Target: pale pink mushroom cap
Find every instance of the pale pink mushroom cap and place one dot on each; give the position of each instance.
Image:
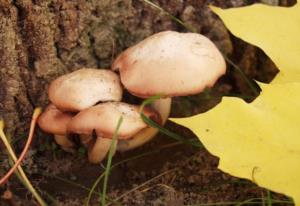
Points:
(170, 64)
(84, 88)
(54, 121)
(103, 119)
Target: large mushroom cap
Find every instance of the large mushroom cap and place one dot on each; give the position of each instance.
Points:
(84, 88)
(103, 119)
(170, 64)
(54, 121)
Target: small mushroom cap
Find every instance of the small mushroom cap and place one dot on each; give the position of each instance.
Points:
(54, 121)
(170, 64)
(84, 88)
(103, 119)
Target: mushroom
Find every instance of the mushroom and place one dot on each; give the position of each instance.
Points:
(168, 64)
(102, 119)
(55, 122)
(84, 88)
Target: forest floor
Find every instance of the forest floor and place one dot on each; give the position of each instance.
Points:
(164, 172)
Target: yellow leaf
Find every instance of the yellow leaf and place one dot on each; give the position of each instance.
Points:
(276, 30)
(258, 141)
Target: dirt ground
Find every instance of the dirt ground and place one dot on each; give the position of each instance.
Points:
(163, 172)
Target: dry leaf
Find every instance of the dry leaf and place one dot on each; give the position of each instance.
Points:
(276, 30)
(260, 141)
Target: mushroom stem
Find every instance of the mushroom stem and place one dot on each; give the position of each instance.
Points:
(64, 142)
(100, 149)
(86, 139)
(163, 107)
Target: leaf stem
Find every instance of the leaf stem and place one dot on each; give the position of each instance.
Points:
(17, 162)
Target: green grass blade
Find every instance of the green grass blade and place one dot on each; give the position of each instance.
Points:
(193, 142)
(108, 165)
(243, 75)
(253, 201)
(95, 184)
(269, 198)
(97, 181)
(190, 28)
(148, 101)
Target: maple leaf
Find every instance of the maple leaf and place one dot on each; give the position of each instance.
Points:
(260, 141)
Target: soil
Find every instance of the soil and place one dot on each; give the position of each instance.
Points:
(41, 40)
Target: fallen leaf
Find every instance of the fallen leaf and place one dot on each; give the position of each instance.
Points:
(276, 30)
(260, 141)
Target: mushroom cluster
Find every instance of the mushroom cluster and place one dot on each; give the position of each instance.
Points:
(87, 102)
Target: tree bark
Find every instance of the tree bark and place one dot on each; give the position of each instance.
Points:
(40, 40)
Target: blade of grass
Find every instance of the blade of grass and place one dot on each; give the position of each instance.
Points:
(243, 75)
(12, 163)
(68, 181)
(28, 143)
(92, 190)
(193, 142)
(269, 198)
(145, 183)
(190, 28)
(253, 201)
(50, 197)
(149, 101)
(95, 184)
(108, 165)
(154, 178)
(71, 183)
(17, 162)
